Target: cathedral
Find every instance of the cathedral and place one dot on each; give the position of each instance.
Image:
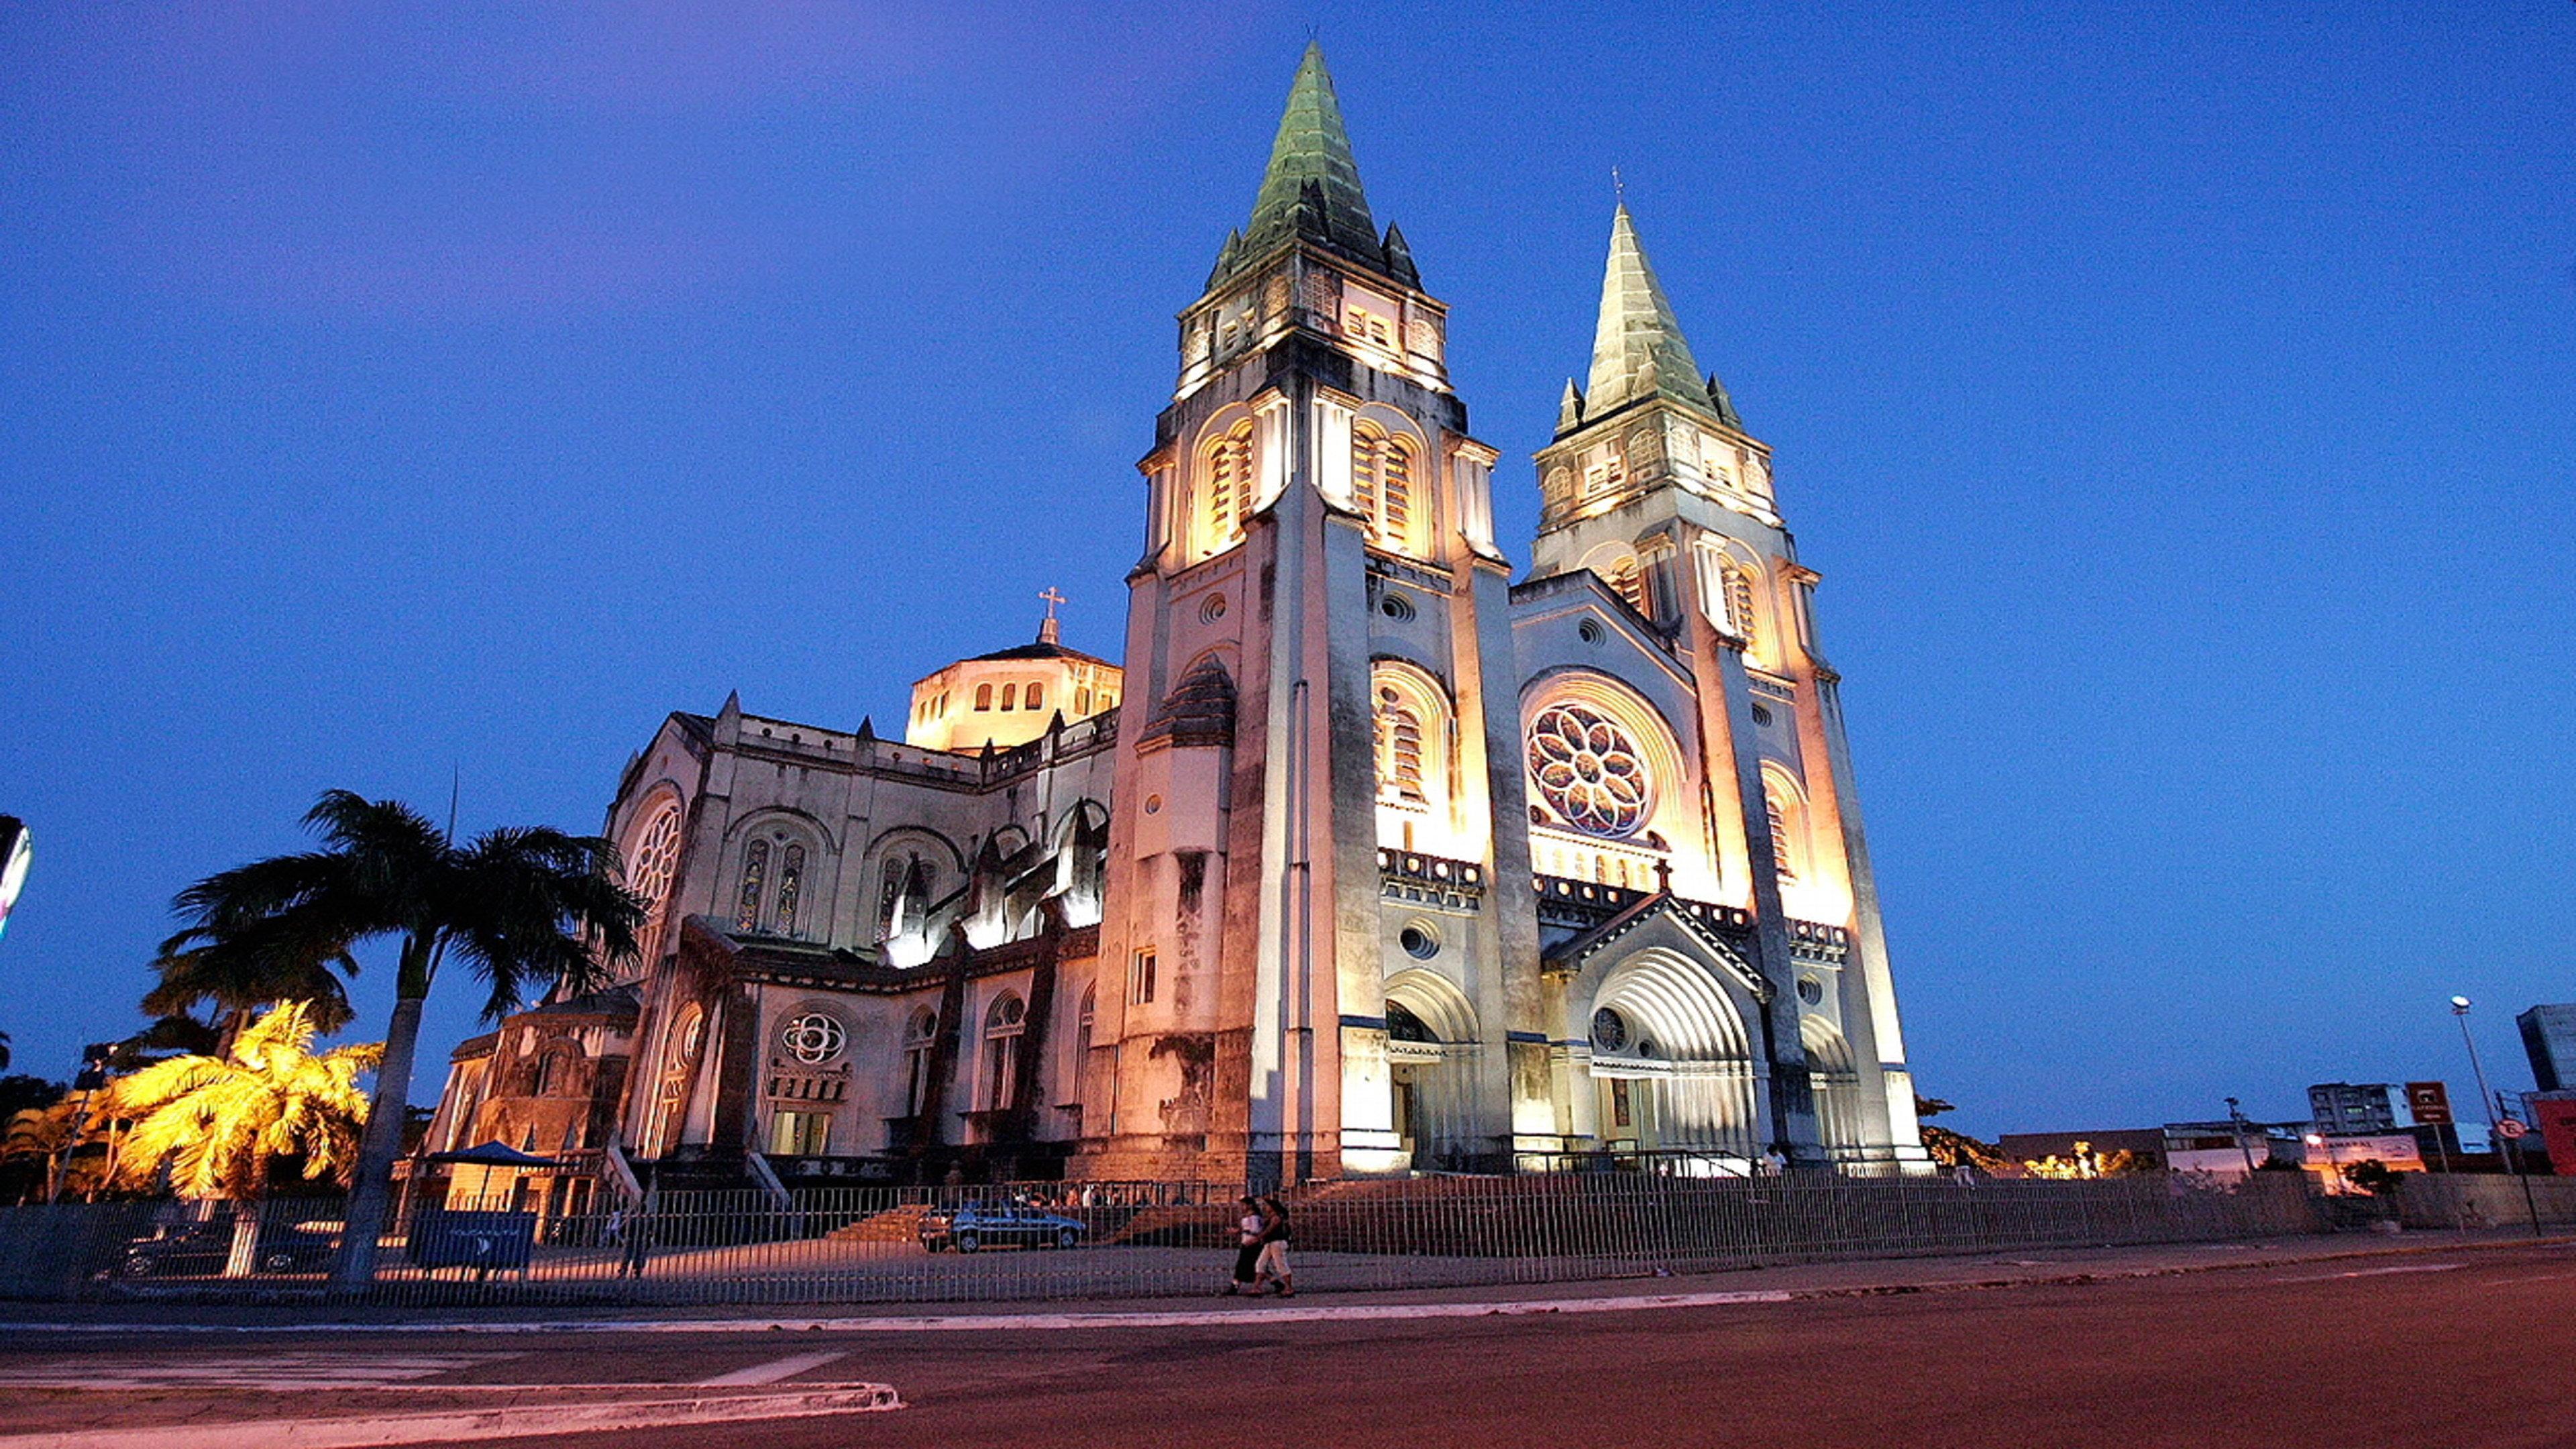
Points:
(1390, 863)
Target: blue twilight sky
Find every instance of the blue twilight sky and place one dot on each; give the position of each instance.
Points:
(2180, 409)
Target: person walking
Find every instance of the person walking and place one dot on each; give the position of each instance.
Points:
(1271, 1265)
(1248, 1228)
(637, 1244)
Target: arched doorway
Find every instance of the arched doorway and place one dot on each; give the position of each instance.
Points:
(1671, 1063)
(1835, 1079)
(1430, 1051)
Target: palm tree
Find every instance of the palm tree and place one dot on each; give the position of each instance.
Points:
(524, 907)
(249, 966)
(217, 1122)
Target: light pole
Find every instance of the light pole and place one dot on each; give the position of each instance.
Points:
(2495, 1136)
(2236, 1118)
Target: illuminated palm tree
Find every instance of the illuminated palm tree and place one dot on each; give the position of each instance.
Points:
(216, 1123)
(523, 907)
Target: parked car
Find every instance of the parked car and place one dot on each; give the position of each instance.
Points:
(978, 1225)
(200, 1250)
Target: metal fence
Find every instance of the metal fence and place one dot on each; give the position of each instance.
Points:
(1116, 1240)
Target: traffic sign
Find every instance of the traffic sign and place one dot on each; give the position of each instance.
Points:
(2511, 1130)
(2430, 1102)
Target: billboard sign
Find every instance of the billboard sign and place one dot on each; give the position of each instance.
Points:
(16, 853)
(2430, 1102)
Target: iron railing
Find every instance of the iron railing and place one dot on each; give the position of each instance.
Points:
(1106, 1240)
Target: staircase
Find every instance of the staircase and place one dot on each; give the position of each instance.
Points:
(894, 1225)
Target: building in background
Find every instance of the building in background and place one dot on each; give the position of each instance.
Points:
(1390, 864)
(2421, 1110)
(2549, 1038)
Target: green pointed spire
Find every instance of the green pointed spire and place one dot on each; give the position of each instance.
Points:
(1638, 350)
(1313, 185)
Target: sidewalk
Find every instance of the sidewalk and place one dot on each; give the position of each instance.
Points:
(1319, 1302)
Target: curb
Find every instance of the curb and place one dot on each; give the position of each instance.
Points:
(453, 1425)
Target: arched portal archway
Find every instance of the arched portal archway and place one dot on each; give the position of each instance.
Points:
(1431, 1049)
(1672, 1063)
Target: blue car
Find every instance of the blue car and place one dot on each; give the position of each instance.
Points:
(979, 1225)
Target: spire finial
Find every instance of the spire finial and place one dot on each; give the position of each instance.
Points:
(1048, 627)
(1618, 188)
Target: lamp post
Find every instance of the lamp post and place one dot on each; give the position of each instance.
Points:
(2236, 1118)
(2495, 1136)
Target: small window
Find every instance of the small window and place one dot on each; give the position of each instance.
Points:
(1010, 694)
(800, 1134)
(983, 697)
(1418, 942)
(1140, 978)
(1082, 701)
(1037, 696)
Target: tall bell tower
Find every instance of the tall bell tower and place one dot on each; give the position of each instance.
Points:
(1654, 483)
(1311, 632)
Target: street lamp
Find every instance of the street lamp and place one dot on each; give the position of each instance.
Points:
(2236, 1120)
(2495, 1132)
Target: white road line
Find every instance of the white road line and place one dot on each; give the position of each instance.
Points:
(2373, 1272)
(774, 1370)
(267, 1371)
(472, 1424)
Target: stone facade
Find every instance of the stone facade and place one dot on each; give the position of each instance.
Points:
(1392, 864)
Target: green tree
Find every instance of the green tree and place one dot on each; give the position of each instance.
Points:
(217, 1123)
(523, 907)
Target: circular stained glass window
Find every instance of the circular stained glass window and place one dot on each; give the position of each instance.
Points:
(1609, 1030)
(1588, 771)
(813, 1038)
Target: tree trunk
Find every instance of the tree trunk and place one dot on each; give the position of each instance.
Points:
(245, 1250)
(378, 1149)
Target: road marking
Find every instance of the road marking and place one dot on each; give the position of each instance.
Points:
(774, 1370)
(473, 1424)
(2374, 1272)
(265, 1371)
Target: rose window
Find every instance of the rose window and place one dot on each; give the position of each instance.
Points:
(813, 1038)
(1588, 771)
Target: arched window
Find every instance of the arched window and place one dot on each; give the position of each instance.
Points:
(557, 1072)
(903, 892)
(791, 880)
(1382, 484)
(1629, 581)
(1788, 819)
(918, 1035)
(652, 863)
(1083, 1023)
(1225, 497)
(1037, 696)
(1010, 695)
(983, 696)
(1399, 749)
(1003, 1026)
(1740, 617)
(755, 872)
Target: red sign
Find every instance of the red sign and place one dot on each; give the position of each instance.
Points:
(2558, 1131)
(2430, 1102)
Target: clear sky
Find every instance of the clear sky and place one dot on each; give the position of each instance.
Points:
(2181, 411)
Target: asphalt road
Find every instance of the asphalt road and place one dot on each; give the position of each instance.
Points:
(2457, 1349)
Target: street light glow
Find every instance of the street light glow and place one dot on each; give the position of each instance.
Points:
(2459, 1003)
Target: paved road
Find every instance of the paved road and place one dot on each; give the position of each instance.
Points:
(2447, 1348)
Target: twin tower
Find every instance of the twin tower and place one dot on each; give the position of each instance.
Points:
(1415, 867)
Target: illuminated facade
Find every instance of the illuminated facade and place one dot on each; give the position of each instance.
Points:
(1392, 864)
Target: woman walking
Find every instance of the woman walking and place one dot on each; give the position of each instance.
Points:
(1271, 1265)
(1248, 1228)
